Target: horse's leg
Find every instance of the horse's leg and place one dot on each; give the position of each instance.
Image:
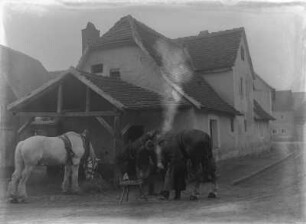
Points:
(12, 186)
(195, 173)
(214, 185)
(22, 192)
(74, 179)
(67, 174)
(214, 189)
(19, 165)
(196, 191)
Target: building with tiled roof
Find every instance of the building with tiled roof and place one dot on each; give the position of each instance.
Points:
(216, 68)
(135, 78)
(19, 75)
(289, 111)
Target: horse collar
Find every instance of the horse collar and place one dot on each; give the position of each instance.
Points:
(68, 147)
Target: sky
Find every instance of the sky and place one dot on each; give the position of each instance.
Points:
(51, 31)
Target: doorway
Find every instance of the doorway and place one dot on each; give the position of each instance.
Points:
(213, 128)
(133, 133)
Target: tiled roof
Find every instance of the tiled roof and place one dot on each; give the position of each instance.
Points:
(213, 51)
(131, 96)
(201, 91)
(120, 32)
(260, 113)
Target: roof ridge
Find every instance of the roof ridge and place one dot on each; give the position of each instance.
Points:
(209, 35)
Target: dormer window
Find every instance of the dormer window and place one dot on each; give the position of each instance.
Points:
(114, 73)
(97, 68)
(242, 53)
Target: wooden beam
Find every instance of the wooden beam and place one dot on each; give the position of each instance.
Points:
(60, 98)
(117, 136)
(68, 114)
(25, 125)
(106, 125)
(37, 92)
(125, 129)
(87, 100)
(99, 91)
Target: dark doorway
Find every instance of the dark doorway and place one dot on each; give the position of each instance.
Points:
(134, 132)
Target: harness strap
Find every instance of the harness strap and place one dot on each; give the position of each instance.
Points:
(68, 147)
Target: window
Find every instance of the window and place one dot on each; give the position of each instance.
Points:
(97, 68)
(274, 131)
(242, 53)
(114, 73)
(241, 87)
(245, 126)
(232, 125)
(283, 131)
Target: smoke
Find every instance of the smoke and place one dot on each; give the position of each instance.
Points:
(176, 72)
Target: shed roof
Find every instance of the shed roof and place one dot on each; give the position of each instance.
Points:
(260, 113)
(121, 94)
(131, 96)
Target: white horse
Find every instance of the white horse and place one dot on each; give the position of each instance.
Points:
(52, 151)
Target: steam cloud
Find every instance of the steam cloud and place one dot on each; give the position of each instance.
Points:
(175, 70)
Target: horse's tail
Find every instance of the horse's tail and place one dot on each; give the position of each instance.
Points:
(19, 163)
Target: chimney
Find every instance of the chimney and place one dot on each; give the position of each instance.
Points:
(203, 33)
(89, 35)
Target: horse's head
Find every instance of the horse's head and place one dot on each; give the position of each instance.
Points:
(158, 145)
(139, 157)
(91, 162)
(90, 166)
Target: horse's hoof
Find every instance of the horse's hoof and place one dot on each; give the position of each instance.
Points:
(143, 198)
(23, 200)
(212, 195)
(13, 200)
(163, 198)
(193, 198)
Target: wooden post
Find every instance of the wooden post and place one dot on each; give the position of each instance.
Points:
(60, 98)
(24, 126)
(87, 100)
(106, 125)
(117, 134)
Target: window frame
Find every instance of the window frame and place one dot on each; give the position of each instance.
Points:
(97, 68)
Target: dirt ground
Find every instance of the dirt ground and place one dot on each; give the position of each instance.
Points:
(275, 195)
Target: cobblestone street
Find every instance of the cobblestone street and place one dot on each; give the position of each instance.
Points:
(274, 195)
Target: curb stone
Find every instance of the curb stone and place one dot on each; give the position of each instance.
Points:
(255, 173)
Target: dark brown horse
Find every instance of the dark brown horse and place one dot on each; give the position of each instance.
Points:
(138, 159)
(186, 154)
